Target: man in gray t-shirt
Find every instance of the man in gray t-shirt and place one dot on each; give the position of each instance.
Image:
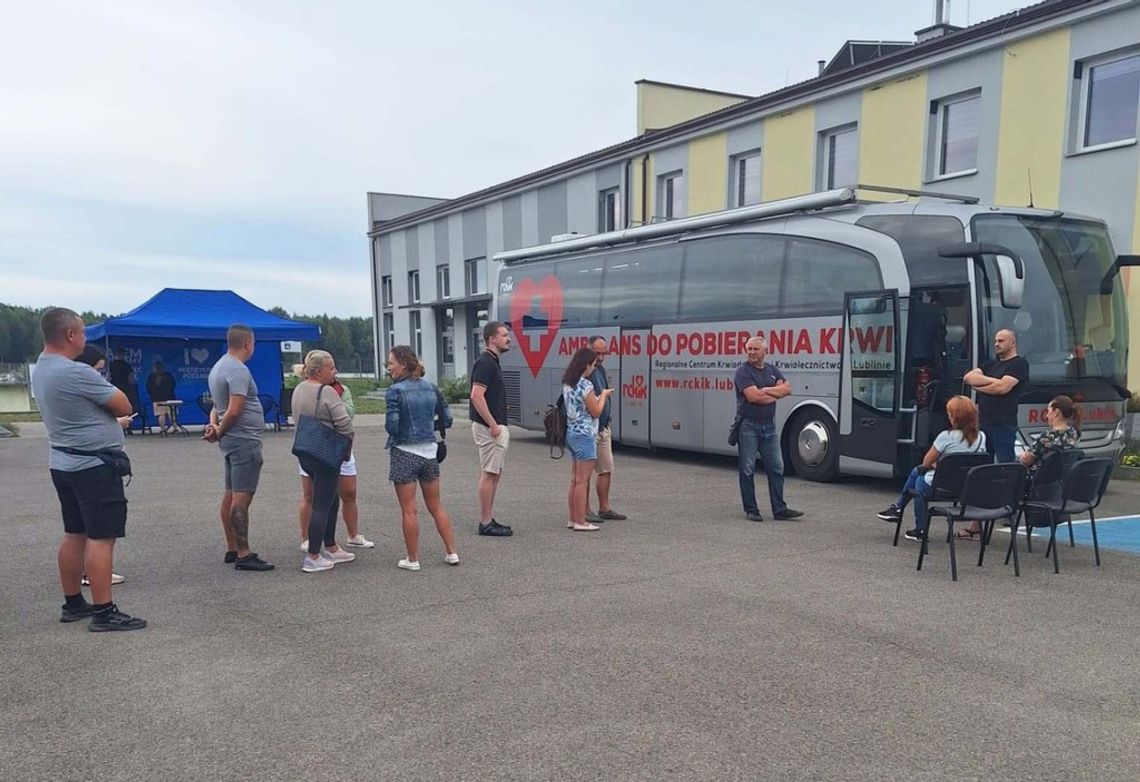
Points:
(236, 423)
(79, 409)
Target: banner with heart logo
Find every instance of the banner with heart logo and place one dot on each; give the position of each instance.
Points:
(536, 317)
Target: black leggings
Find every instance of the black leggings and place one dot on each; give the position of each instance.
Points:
(326, 504)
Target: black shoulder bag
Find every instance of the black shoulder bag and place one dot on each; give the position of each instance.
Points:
(441, 445)
(117, 460)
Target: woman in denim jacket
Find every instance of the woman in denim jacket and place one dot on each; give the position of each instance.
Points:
(413, 404)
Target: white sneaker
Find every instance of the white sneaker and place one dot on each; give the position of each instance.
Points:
(451, 559)
(316, 565)
(338, 556)
(408, 565)
(360, 542)
(115, 579)
(305, 545)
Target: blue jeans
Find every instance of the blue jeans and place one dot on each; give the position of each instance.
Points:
(999, 441)
(760, 438)
(915, 482)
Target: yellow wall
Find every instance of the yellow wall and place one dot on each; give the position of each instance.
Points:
(663, 105)
(1035, 81)
(892, 128)
(789, 152)
(707, 174)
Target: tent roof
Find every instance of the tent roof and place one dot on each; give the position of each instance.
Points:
(177, 313)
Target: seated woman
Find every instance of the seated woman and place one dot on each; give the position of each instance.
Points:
(963, 436)
(1064, 419)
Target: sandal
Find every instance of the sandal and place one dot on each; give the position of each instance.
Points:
(584, 527)
(966, 534)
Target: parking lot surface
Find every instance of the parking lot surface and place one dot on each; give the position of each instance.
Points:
(683, 643)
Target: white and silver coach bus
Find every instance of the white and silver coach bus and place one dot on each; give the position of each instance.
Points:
(873, 310)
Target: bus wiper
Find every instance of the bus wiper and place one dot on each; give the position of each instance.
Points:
(1110, 275)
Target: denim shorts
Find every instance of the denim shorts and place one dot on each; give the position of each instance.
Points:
(582, 447)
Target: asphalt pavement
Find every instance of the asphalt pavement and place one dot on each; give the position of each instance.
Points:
(684, 643)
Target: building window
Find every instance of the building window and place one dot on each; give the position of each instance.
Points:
(415, 322)
(413, 286)
(957, 134)
(389, 333)
(1110, 96)
(746, 179)
(609, 210)
(475, 276)
(671, 195)
(840, 157)
(443, 281)
(386, 290)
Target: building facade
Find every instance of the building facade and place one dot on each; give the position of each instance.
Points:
(1040, 106)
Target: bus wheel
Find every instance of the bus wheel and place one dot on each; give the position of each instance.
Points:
(813, 446)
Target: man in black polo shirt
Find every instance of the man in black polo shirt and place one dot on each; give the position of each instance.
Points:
(758, 386)
(1000, 384)
(488, 410)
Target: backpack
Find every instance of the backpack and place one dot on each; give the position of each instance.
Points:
(554, 423)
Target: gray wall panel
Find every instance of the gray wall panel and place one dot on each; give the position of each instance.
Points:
(829, 114)
(1091, 184)
(530, 219)
(475, 233)
(412, 243)
(745, 138)
(442, 241)
(551, 211)
(582, 203)
(610, 176)
(671, 159)
(984, 72)
(512, 223)
(384, 254)
(428, 288)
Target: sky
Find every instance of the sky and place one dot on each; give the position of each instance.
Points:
(210, 144)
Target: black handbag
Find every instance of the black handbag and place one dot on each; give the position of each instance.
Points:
(318, 442)
(441, 445)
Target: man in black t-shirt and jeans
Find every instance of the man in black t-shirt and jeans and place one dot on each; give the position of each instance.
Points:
(758, 386)
(488, 411)
(1000, 384)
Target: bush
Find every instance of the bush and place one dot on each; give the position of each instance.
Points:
(456, 390)
(1133, 404)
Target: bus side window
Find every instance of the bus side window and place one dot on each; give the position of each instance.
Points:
(732, 277)
(818, 274)
(581, 281)
(642, 286)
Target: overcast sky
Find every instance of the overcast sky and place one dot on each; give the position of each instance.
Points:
(230, 144)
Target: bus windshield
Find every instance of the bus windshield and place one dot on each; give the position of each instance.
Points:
(1065, 328)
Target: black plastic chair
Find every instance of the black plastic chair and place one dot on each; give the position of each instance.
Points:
(285, 408)
(949, 478)
(1082, 490)
(991, 492)
(1046, 484)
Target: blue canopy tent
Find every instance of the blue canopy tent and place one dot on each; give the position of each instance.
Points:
(186, 331)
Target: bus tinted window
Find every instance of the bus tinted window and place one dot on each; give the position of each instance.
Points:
(732, 276)
(819, 273)
(581, 281)
(919, 237)
(642, 286)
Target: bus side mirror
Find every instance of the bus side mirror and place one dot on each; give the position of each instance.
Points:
(1011, 269)
(1110, 275)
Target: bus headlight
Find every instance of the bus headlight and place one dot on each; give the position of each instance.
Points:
(1119, 433)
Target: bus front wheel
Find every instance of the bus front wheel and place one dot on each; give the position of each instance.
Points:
(814, 446)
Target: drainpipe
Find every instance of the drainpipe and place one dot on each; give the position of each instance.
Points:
(628, 196)
(645, 189)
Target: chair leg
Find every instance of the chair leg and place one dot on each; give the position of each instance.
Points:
(987, 530)
(1013, 546)
(1029, 536)
(1072, 540)
(1053, 543)
(898, 529)
(953, 554)
(922, 544)
(1092, 526)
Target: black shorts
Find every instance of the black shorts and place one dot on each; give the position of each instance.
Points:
(407, 467)
(92, 502)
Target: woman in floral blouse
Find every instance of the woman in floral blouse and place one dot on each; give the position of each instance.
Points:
(1064, 418)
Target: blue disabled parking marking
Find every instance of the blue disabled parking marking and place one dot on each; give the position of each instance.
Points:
(1115, 532)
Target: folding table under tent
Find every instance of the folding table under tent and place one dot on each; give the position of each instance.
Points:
(186, 331)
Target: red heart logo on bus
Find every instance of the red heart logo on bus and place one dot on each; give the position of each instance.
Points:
(536, 302)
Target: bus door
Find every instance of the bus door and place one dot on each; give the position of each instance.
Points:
(869, 384)
(631, 394)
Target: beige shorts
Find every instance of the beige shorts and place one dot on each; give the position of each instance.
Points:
(605, 461)
(492, 452)
(161, 410)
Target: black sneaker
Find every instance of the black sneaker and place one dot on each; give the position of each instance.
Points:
(787, 514)
(497, 524)
(252, 562)
(114, 619)
(893, 513)
(753, 517)
(913, 534)
(495, 529)
(231, 557)
(75, 613)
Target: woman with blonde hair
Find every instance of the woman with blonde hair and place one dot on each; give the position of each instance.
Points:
(413, 409)
(313, 396)
(963, 436)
